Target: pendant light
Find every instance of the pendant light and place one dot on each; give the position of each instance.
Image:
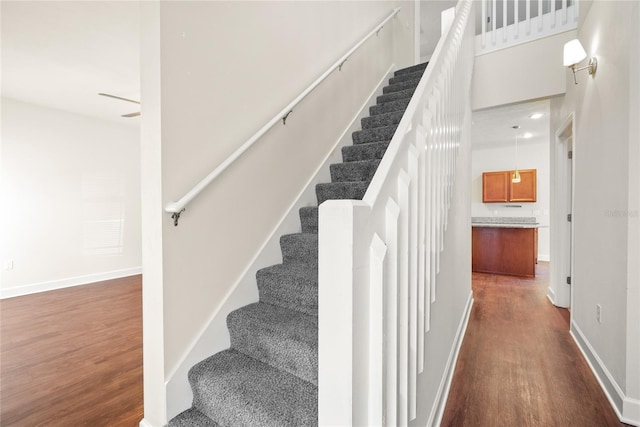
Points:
(515, 176)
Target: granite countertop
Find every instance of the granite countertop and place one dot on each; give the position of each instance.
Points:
(504, 222)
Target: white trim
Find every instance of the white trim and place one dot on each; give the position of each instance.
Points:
(214, 336)
(551, 295)
(68, 282)
(437, 411)
(145, 423)
(544, 257)
(608, 384)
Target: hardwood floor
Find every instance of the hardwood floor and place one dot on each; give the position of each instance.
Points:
(518, 365)
(73, 357)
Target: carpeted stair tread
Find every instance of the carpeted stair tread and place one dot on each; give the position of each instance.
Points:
(309, 219)
(380, 120)
(409, 84)
(389, 107)
(293, 286)
(341, 190)
(372, 150)
(300, 248)
(362, 170)
(192, 418)
(282, 338)
(395, 96)
(406, 76)
(384, 133)
(234, 389)
(412, 69)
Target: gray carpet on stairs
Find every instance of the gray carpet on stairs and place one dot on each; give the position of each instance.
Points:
(269, 376)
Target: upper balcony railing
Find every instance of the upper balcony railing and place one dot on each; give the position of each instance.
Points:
(505, 23)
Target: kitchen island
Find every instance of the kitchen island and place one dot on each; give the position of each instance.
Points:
(504, 245)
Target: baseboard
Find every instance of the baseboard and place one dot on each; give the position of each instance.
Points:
(551, 295)
(214, 336)
(437, 411)
(627, 409)
(68, 282)
(544, 257)
(145, 423)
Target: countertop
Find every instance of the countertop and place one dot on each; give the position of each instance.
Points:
(505, 222)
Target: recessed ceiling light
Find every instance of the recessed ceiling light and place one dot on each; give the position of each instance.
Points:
(527, 135)
(535, 115)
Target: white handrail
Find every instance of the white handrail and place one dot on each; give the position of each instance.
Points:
(176, 208)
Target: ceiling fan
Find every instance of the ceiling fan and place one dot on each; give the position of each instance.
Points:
(123, 99)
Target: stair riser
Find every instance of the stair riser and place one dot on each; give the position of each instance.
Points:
(394, 96)
(381, 120)
(260, 397)
(298, 248)
(366, 136)
(389, 107)
(354, 153)
(289, 291)
(309, 219)
(406, 77)
(410, 70)
(340, 190)
(398, 87)
(299, 358)
(353, 172)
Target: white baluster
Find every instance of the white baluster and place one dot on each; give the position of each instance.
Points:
(377, 254)
(392, 216)
(528, 3)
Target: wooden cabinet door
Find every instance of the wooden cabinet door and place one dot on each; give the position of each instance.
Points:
(495, 187)
(525, 190)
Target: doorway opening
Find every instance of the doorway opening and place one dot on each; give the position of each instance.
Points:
(562, 267)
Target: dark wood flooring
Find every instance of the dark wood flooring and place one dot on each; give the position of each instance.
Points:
(73, 357)
(518, 365)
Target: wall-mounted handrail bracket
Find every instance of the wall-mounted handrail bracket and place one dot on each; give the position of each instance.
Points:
(380, 29)
(341, 64)
(175, 217)
(284, 119)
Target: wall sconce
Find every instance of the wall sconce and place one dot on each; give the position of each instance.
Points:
(573, 54)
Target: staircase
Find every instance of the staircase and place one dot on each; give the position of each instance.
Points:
(269, 376)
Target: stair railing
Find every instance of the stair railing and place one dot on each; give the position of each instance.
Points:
(379, 257)
(505, 23)
(176, 208)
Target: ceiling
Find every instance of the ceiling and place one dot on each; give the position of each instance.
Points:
(61, 54)
(493, 127)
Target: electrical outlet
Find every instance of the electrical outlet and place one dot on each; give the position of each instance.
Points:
(8, 265)
(599, 313)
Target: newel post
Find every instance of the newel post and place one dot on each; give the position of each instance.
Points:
(342, 342)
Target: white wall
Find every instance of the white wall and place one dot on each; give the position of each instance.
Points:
(70, 197)
(606, 200)
(528, 71)
(532, 154)
(226, 68)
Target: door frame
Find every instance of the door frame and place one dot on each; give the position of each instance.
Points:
(562, 265)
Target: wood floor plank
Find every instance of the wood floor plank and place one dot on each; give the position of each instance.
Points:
(73, 357)
(518, 365)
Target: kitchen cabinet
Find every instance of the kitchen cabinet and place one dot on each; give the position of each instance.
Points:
(497, 187)
(504, 250)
